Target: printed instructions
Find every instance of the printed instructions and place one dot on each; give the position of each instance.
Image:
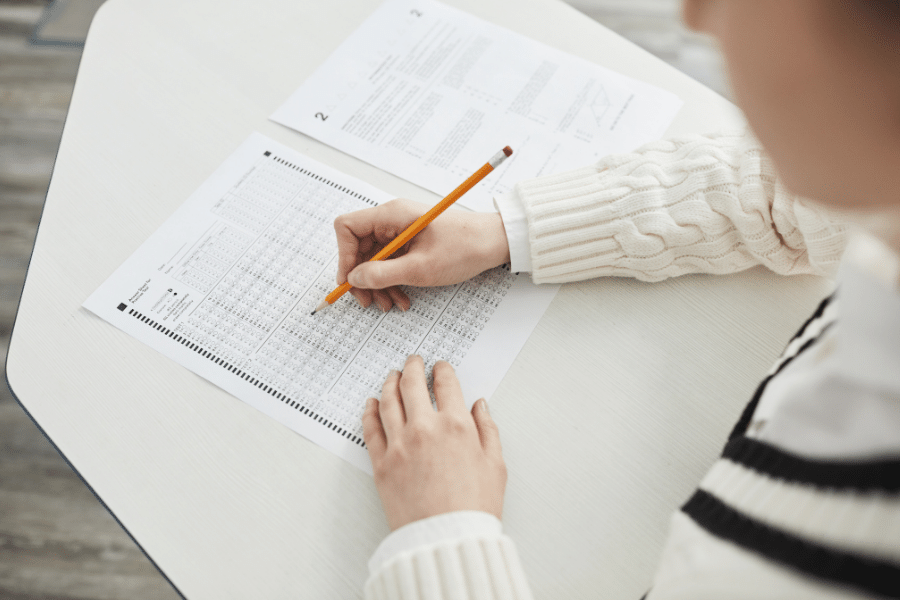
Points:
(429, 93)
(226, 286)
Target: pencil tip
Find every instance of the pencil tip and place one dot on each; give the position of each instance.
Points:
(507, 150)
(321, 305)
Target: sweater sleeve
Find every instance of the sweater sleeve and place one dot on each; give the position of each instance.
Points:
(466, 568)
(695, 204)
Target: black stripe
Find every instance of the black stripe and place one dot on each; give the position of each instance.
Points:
(819, 312)
(859, 475)
(741, 427)
(828, 563)
(743, 423)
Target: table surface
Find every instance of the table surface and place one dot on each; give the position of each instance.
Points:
(610, 415)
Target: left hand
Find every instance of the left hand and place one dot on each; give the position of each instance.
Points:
(429, 462)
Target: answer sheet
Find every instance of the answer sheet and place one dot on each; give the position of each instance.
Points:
(429, 93)
(226, 285)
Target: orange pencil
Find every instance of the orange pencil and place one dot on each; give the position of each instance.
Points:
(420, 223)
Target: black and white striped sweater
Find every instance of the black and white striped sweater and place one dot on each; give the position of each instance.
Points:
(807, 490)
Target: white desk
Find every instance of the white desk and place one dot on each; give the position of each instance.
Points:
(610, 415)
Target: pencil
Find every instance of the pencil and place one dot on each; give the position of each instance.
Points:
(420, 223)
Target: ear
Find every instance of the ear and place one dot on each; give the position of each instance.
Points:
(695, 13)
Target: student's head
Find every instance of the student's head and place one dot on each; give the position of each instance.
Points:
(819, 81)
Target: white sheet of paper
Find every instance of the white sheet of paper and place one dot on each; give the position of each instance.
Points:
(226, 285)
(429, 93)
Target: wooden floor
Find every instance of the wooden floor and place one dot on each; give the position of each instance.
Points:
(57, 542)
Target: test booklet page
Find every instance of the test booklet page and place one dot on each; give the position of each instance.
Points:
(421, 90)
(226, 285)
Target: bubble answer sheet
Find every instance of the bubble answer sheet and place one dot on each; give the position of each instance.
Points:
(421, 88)
(226, 285)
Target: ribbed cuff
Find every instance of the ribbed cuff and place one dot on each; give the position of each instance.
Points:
(434, 530)
(572, 222)
(467, 568)
(516, 225)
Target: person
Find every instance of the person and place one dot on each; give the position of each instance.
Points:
(805, 500)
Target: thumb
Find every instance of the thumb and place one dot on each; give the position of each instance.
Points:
(381, 274)
(487, 430)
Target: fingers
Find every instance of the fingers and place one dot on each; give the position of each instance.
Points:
(363, 296)
(399, 298)
(487, 430)
(373, 431)
(391, 408)
(447, 392)
(382, 300)
(358, 231)
(414, 389)
(356, 234)
(380, 274)
(348, 229)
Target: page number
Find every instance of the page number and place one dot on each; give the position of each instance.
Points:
(321, 116)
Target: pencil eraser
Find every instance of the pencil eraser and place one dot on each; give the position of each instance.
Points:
(507, 151)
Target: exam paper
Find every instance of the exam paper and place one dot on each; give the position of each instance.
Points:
(226, 285)
(421, 90)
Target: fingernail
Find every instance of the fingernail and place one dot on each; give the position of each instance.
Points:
(369, 403)
(394, 372)
(353, 279)
(484, 406)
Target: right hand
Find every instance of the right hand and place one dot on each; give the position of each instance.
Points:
(454, 247)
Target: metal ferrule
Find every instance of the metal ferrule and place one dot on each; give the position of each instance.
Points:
(497, 159)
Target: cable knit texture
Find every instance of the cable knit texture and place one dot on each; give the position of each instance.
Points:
(695, 204)
(462, 569)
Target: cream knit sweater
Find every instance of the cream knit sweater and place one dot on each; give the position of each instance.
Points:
(709, 204)
(695, 204)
